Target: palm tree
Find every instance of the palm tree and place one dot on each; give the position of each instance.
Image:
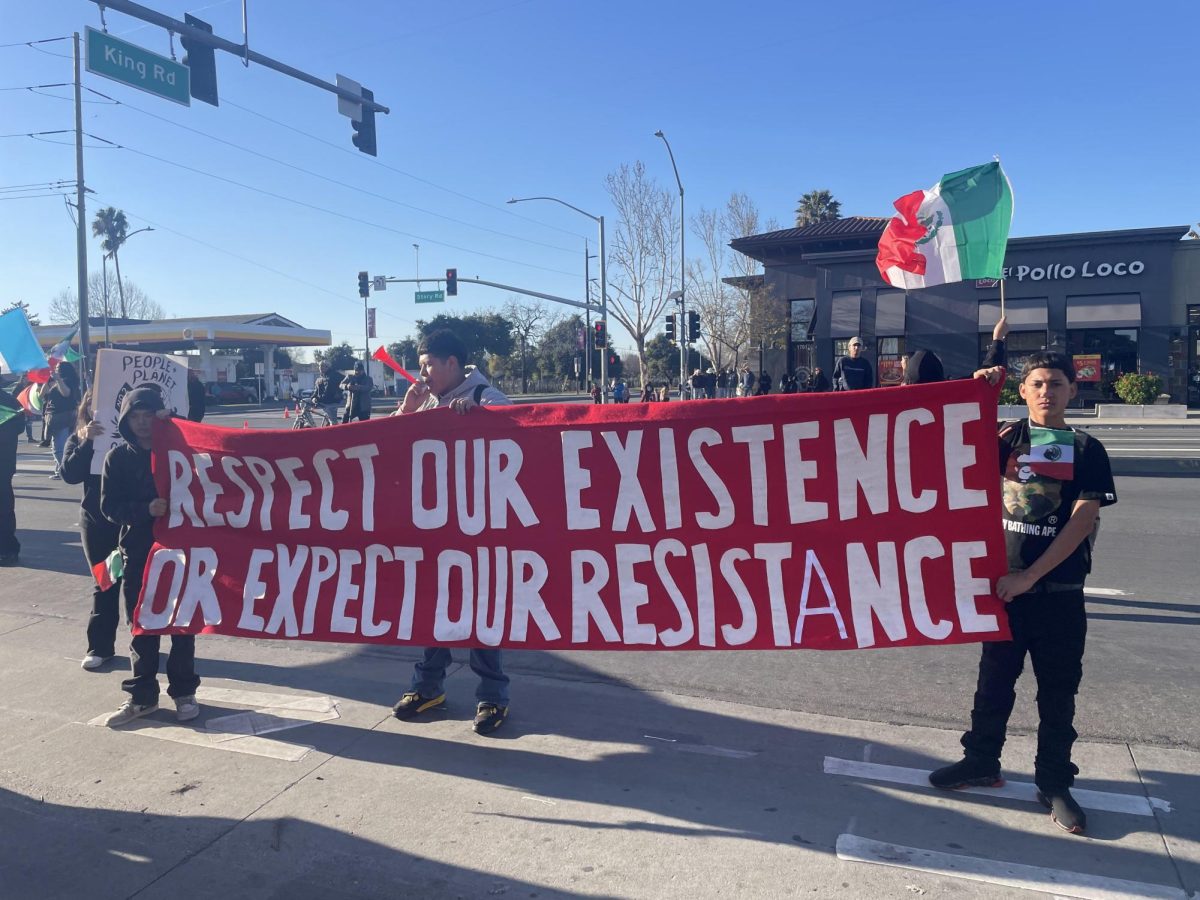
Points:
(817, 206)
(111, 225)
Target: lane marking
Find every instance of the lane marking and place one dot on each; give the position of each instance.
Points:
(1026, 791)
(1105, 592)
(241, 732)
(1017, 875)
(703, 749)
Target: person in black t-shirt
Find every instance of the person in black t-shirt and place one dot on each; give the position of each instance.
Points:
(1055, 480)
(852, 372)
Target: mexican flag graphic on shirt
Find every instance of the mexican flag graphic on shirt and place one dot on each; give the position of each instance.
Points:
(1052, 452)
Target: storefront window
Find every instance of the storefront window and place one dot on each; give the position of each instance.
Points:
(1116, 350)
(888, 362)
(1020, 345)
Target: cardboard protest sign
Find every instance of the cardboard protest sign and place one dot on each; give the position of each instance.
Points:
(120, 371)
(828, 521)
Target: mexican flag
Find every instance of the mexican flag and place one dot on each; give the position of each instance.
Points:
(1052, 452)
(955, 231)
(109, 571)
(60, 352)
(31, 399)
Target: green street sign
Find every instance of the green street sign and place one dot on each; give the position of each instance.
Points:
(430, 296)
(137, 67)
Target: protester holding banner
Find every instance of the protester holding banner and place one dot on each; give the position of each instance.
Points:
(12, 423)
(61, 404)
(99, 537)
(447, 382)
(129, 498)
(357, 386)
(1055, 480)
(852, 372)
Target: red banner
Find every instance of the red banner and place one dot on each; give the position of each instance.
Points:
(824, 521)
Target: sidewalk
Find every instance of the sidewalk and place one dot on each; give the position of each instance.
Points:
(296, 782)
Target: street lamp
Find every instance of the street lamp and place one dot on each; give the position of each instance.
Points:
(599, 220)
(104, 269)
(682, 270)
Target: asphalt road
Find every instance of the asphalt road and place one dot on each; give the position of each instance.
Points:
(1140, 672)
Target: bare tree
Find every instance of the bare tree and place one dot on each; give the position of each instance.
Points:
(64, 309)
(732, 317)
(529, 319)
(643, 259)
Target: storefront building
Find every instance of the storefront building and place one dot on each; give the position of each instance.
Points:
(1116, 301)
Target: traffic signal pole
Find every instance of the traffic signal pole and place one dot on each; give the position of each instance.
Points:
(242, 51)
(81, 272)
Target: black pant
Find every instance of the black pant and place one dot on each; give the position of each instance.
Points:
(9, 545)
(1051, 628)
(100, 540)
(182, 680)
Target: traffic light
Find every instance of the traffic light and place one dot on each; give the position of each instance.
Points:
(452, 282)
(599, 335)
(364, 285)
(693, 326)
(201, 60)
(364, 126)
(671, 328)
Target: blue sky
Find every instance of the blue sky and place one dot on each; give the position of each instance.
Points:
(1091, 108)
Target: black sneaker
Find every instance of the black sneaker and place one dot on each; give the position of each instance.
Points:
(967, 772)
(1064, 811)
(413, 704)
(489, 717)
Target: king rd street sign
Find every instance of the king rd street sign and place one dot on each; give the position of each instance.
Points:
(137, 67)
(430, 296)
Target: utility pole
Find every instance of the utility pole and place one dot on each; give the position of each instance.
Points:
(587, 323)
(81, 272)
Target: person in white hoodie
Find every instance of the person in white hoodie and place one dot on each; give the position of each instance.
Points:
(446, 381)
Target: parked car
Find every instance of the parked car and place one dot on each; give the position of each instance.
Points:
(227, 392)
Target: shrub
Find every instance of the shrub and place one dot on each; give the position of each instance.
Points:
(1008, 394)
(1138, 389)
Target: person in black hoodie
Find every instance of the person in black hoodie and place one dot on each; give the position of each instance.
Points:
(99, 535)
(12, 423)
(129, 498)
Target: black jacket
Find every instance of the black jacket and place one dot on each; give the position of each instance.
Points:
(15, 424)
(77, 469)
(127, 485)
(197, 402)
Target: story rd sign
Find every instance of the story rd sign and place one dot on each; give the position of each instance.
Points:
(137, 67)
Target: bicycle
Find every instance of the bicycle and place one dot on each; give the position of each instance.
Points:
(305, 416)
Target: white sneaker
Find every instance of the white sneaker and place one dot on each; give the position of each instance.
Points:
(128, 712)
(186, 708)
(92, 661)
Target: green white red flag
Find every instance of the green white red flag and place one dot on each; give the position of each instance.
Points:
(955, 231)
(1052, 452)
(108, 571)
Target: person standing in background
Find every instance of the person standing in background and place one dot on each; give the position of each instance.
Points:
(853, 372)
(59, 407)
(99, 534)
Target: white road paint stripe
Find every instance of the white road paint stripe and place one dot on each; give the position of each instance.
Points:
(703, 749)
(1104, 592)
(1100, 801)
(1016, 875)
(240, 732)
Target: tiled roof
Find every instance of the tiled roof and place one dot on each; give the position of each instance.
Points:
(851, 226)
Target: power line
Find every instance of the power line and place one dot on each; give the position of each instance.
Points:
(322, 209)
(65, 37)
(425, 181)
(246, 259)
(335, 181)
